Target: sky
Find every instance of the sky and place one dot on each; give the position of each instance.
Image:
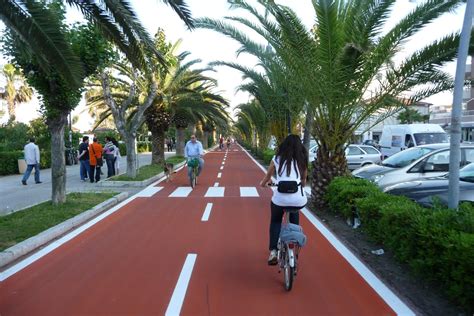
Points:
(211, 46)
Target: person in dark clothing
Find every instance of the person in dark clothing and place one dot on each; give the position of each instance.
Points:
(109, 155)
(84, 158)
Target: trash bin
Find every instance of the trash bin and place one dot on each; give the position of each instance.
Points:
(22, 165)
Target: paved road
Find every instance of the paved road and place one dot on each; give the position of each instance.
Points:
(171, 250)
(16, 196)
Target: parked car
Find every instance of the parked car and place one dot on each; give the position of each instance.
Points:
(427, 191)
(396, 138)
(414, 164)
(371, 142)
(356, 155)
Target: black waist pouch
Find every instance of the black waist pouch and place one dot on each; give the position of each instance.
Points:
(288, 186)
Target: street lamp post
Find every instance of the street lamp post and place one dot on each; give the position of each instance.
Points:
(455, 146)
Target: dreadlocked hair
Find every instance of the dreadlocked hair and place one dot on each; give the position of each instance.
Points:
(292, 152)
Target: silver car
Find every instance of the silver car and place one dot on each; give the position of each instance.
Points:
(414, 164)
(357, 155)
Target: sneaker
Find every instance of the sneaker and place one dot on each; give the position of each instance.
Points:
(272, 259)
(39, 182)
(24, 182)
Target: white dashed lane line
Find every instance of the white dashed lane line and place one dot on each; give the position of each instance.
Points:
(207, 212)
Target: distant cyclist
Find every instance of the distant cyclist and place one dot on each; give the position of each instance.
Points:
(290, 164)
(194, 149)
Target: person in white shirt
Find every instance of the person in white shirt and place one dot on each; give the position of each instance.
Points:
(290, 164)
(194, 149)
(32, 158)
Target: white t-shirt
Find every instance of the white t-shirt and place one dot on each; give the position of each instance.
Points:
(288, 199)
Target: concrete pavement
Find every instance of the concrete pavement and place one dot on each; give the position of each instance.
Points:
(15, 196)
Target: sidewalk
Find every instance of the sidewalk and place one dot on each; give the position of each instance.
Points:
(16, 196)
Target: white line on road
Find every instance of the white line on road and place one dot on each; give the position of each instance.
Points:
(248, 192)
(222, 167)
(149, 192)
(177, 299)
(219, 175)
(216, 184)
(207, 212)
(181, 192)
(215, 192)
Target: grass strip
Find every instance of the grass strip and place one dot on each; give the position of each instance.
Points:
(29, 222)
(148, 171)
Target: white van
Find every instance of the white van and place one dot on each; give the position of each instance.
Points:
(396, 138)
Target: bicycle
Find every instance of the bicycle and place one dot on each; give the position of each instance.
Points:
(194, 164)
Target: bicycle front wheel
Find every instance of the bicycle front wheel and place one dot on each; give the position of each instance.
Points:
(192, 179)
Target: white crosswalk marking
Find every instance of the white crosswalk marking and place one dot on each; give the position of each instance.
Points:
(248, 192)
(181, 192)
(215, 192)
(149, 192)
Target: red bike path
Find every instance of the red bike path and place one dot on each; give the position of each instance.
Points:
(129, 262)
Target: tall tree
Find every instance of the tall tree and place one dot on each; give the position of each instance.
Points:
(16, 90)
(86, 47)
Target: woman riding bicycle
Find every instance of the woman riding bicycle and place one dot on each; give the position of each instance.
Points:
(290, 164)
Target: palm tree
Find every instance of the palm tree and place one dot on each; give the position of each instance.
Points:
(253, 124)
(345, 66)
(14, 94)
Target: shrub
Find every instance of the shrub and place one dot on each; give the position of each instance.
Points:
(143, 147)
(9, 162)
(123, 149)
(343, 192)
(437, 243)
(267, 156)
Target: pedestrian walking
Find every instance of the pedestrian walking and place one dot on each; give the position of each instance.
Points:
(32, 158)
(95, 160)
(169, 144)
(84, 159)
(109, 150)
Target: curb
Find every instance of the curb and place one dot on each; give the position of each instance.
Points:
(144, 183)
(22, 248)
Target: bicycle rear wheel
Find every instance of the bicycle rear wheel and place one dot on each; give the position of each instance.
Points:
(288, 272)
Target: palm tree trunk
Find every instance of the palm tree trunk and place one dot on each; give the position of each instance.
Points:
(11, 109)
(180, 141)
(131, 144)
(205, 140)
(327, 166)
(157, 147)
(307, 130)
(58, 162)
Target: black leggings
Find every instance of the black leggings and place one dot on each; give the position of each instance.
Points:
(276, 219)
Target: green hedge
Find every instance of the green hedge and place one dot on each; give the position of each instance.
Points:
(267, 156)
(9, 161)
(438, 244)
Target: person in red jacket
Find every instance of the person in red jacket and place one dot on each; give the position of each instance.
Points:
(95, 160)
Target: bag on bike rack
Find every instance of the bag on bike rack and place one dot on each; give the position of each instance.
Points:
(292, 232)
(192, 163)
